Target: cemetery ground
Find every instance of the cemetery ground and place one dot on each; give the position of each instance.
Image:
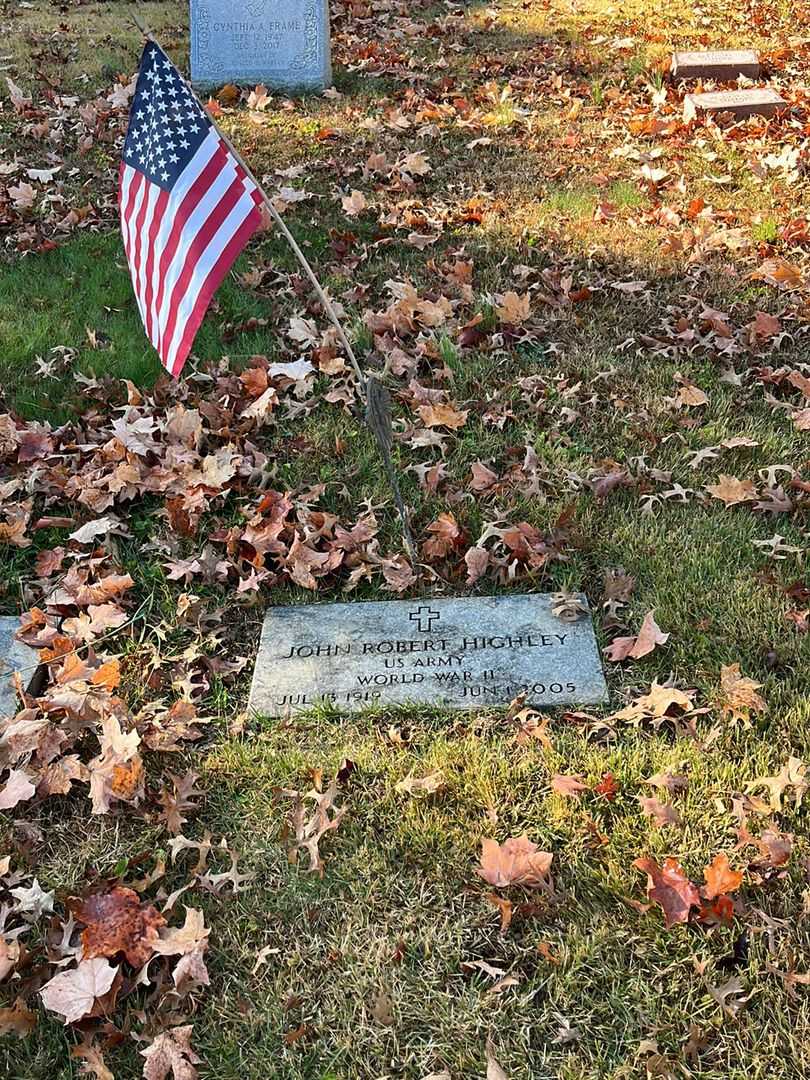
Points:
(595, 322)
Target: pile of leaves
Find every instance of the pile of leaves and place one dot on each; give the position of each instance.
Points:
(106, 953)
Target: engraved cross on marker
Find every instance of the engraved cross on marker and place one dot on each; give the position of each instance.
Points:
(427, 615)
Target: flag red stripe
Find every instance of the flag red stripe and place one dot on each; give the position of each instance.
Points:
(195, 194)
(157, 220)
(193, 253)
(135, 257)
(134, 184)
(212, 283)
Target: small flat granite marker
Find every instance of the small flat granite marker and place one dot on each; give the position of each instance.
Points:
(281, 43)
(464, 653)
(740, 102)
(14, 656)
(724, 65)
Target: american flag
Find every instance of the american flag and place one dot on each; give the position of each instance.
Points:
(187, 207)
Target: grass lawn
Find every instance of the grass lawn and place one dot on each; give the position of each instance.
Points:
(533, 149)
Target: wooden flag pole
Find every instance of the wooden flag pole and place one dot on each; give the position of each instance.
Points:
(371, 390)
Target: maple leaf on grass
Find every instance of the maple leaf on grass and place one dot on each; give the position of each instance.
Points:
(732, 491)
(18, 788)
(513, 308)
(517, 861)
(425, 785)
(171, 1053)
(720, 878)
(116, 921)
(569, 786)
(73, 993)
(670, 888)
(442, 415)
(354, 204)
(661, 813)
(633, 648)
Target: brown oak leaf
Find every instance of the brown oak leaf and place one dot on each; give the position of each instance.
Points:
(442, 415)
(17, 1020)
(633, 648)
(426, 785)
(670, 888)
(445, 536)
(738, 696)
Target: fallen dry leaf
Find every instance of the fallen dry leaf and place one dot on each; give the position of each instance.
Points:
(732, 491)
(116, 921)
(18, 1020)
(18, 788)
(793, 774)
(354, 204)
(514, 309)
(720, 878)
(661, 813)
(515, 862)
(670, 888)
(442, 415)
(633, 648)
(569, 786)
(73, 993)
(738, 697)
(494, 1070)
(171, 1052)
(426, 785)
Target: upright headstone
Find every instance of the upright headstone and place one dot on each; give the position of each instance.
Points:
(723, 65)
(464, 653)
(281, 43)
(14, 656)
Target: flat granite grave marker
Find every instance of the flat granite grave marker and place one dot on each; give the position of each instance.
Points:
(739, 102)
(281, 43)
(14, 656)
(723, 65)
(463, 653)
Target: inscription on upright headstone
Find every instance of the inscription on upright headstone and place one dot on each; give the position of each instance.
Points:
(463, 653)
(14, 656)
(281, 43)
